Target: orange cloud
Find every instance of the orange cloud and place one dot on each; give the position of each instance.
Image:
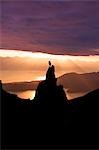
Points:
(34, 65)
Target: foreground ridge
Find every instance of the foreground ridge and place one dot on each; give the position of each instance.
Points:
(50, 120)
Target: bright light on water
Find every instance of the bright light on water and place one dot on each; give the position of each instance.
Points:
(30, 94)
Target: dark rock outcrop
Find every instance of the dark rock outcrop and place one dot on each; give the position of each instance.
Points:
(48, 93)
(50, 120)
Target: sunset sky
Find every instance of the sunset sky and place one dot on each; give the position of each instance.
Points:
(65, 32)
(58, 27)
(29, 66)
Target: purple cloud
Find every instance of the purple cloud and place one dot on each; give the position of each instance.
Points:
(60, 27)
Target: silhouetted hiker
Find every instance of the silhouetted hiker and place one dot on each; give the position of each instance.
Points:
(50, 76)
(49, 63)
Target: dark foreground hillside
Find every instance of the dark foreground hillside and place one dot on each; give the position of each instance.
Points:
(28, 125)
(50, 120)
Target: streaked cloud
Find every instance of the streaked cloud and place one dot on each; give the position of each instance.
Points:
(57, 27)
(27, 66)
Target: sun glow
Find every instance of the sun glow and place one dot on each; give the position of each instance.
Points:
(17, 53)
(39, 78)
(18, 65)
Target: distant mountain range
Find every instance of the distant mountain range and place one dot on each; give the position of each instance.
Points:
(80, 82)
(73, 82)
(20, 86)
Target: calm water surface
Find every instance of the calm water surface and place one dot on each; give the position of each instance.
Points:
(31, 93)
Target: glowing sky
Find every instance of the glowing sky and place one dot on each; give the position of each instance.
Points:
(58, 27)
(28, 66)
(65, 32)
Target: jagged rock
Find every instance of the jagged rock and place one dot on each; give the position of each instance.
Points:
(48, 92)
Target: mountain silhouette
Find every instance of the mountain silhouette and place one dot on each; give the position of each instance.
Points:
(50, 120)
(48, 92)
(73, 82)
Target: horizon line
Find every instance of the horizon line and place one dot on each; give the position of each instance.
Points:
(40, 52)
(45, 77)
